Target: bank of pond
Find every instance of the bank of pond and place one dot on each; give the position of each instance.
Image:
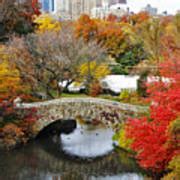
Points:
(85, 152)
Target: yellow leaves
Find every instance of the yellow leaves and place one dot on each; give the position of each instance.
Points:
(174, 165)
(97, 71)
(101, 71)
(3, 54)
(123, 141)
(173, 30)
(170, 28)
(6, 70)
(47, 23)
(10, 81)
(174, 127)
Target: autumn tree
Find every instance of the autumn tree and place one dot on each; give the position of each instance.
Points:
(91, 73)
(51, 57)
(17, 16)
(150, 137)
(151, 33)
(85, 28)
(160, 37)
(111, 36)
(122, 45)
(45, 23)
(10, 81)
(11, 87)
(171, 38)
(138, 18)
(119, 38)
(22, 59)
(112, 18)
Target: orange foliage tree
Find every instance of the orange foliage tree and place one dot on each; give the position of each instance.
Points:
(86, 28)
(117, 37)
(139, 18)
(112, 18)
(112, 37)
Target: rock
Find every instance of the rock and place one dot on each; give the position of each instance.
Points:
(73, 87)
(117, 83)
(17, 102)
(76, 88)
(40, 95)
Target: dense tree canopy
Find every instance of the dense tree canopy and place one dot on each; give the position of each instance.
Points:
(47, 58)
(17, 16)
(86, 28)
(119, 38)
(151, 139)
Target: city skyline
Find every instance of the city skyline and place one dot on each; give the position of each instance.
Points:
(73, 8)
(171, 6)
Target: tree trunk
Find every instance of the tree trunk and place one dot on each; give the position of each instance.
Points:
(49, 95)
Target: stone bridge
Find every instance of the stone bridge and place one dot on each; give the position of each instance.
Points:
(88, 109)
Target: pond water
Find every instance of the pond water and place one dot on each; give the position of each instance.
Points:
(88, 142)
(87, 153)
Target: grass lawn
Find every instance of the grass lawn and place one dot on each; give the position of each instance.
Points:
(73, 95)
(132, 100)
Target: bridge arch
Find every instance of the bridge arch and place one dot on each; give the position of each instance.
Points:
(90, 109)
(57, 127)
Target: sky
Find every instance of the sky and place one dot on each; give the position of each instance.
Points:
(171, 6)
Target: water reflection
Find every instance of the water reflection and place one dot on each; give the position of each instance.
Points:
(86, 142)
(127, 176)
(45, 160)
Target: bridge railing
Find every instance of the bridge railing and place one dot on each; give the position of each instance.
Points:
(98, 101)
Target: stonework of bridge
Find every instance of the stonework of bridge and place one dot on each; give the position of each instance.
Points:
(90, 109)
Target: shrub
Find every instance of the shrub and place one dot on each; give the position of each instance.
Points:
(118, 69)
(11, 135)
(174, 130)
(132, 97)
(123, 141)
(17, 126)
(125, 95)
(174, 165)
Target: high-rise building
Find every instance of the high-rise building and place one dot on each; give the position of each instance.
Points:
(48, 5)
(116, 7)
(151, 10)
(111, 2)
(72, 9)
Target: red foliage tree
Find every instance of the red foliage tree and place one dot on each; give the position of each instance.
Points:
(151, 139)
(32, 8)
(35, 6)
